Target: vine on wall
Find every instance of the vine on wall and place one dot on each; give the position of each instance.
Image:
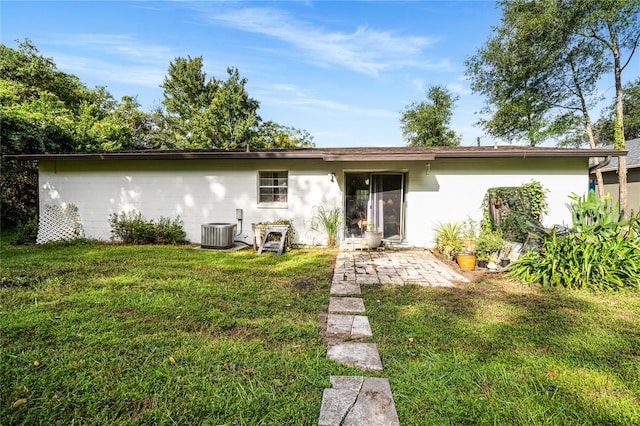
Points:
(513, 209)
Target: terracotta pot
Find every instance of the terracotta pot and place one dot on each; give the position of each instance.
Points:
(466, 261)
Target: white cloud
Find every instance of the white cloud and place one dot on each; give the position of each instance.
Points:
(110, 57)
(418, 83)
(363, 50)
(291, 96)
(459, 88)
(99, 70)
(123, 46)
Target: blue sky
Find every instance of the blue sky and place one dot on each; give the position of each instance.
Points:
(342, 70)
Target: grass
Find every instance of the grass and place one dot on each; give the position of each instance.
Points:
(106, 323)
(495, 352)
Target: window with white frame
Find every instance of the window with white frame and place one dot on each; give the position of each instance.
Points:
(273, 188)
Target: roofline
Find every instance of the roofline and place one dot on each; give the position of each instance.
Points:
(332, 154)
(615, 169)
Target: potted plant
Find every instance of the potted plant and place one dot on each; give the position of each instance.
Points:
(505, 260)
(373, 237)
(467, 257)
(488, 245)
(448, 238)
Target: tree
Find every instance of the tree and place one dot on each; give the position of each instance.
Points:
(537, 80)
(210, 113)
(44, 110)
(615, 25)
(273, 135)
(426, 123)
(540, 67)
(231, 119)
(631, 109)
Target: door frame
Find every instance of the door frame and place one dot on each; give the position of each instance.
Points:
(372, 212)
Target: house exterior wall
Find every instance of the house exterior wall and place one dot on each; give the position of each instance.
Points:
(199, 191)
(611, 187)
(204, 191)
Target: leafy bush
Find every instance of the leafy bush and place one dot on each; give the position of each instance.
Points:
(489, 242)
(27, 233)
(598, 252)
(449, 237)
(132, 228)
(291, 233)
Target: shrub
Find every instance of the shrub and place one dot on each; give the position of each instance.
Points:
(449, 237)
(27, 233)
(489, 243)
(132, 228)
(291, 233)
(598, 252)
(327, 221)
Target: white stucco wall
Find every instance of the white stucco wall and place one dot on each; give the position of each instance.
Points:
(200, 191)
(455, 188)
(203, 191)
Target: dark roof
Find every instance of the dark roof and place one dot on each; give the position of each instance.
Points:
(336, 154)
(633, 156)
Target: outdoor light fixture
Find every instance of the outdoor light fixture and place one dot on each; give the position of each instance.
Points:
(332, 176)
(427, 169)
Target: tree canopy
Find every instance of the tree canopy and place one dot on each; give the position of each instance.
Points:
(45, 110)
(426, 123)
(631, 109)
(540, 67)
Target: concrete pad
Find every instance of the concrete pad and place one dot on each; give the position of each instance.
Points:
(358, 401)
(336, 403)
(348, 326)
(374, 405)
(344, 288)
(363, 356)
(353, 305)
(360, 327)
(347, 382)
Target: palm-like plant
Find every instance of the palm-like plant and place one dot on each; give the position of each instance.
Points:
(327, 221)
(449, 237)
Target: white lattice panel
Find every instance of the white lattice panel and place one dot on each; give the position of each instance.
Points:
(59, 223)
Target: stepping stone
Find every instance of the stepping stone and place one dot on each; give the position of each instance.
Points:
(363, 356)
(353, 305)
(343, 288)
(348, 326)
(356, 401)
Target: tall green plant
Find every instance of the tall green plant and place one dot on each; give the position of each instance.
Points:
(449, 237)
(598, 252)
(327, 221)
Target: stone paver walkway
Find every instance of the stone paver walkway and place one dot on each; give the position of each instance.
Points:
(356, 400)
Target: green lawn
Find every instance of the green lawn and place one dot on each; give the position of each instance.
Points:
(106, 323)
(501, 353)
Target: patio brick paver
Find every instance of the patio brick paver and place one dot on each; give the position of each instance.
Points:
(348, 326)
(349, 305)
(363, 356)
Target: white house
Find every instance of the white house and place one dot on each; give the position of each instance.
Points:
(404, 191)
(610, 175)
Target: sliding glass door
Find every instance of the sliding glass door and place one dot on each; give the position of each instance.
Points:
(376, 198)
(387, 199)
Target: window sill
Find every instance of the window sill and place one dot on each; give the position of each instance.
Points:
(273, 205)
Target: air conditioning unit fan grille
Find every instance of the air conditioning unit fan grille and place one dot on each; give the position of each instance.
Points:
(218, 235)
